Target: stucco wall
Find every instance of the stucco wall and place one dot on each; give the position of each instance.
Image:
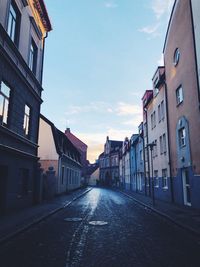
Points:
(183, 74)
(47, 149)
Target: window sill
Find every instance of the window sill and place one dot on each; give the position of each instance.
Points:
(165, 188)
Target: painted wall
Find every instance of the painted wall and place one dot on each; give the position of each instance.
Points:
(47, 149)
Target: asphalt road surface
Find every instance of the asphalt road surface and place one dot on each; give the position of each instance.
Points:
(131, 235)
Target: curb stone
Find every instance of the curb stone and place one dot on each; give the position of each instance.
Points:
(26, 227)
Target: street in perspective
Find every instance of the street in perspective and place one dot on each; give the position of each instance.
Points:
(99, 133)
(102, 228)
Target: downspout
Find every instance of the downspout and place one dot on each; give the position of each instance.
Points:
(148, 154)
(169, 150)
(41, 79)
(136, 170)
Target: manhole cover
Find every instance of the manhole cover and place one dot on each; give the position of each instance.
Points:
(98, 223)
(73, 219)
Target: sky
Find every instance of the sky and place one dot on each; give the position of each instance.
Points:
(99, 60)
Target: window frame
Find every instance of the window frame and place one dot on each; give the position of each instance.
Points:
(5, 98)
(27, 121)
(182, 137)
(33, 56)
(164, 179)
(14, 33)
(179, 97)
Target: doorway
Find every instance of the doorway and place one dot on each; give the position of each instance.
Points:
(3, 185)
(186, 187)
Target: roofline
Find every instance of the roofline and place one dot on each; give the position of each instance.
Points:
(159, 67)
(147, 91)
(54, 129)
(48, 27)
(169, 24)
(78, 139)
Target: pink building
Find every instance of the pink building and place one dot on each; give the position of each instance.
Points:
(183, 104)
(82, 148)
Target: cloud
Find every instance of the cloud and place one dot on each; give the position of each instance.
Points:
(161, 7)
(110, 5)
(96, 141)
(98, 106)
(151, 30)
(160, 61)
(125, 109)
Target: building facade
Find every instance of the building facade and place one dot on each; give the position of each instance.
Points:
(82, 148)
(23, 28)
(57, 151)
(181, 55)
(109, 163)
(159, 164)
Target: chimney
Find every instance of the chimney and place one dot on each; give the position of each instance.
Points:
(67, 130)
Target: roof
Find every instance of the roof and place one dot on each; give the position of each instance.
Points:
(75, 140)
(115, 144)
(62, 143)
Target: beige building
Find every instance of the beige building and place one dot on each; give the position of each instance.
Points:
(158, 135)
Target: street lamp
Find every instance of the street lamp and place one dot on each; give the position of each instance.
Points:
(151, 146)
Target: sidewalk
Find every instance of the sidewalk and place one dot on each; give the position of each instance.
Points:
(185, 217)
(15, 223)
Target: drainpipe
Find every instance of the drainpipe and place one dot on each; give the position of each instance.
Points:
(136, 170)
(169, 150)
(147, 152)
(41, 79)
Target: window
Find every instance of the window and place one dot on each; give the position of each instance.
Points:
(13, 23)
(159, 113)
(179, 95)
(145, 129)
(153, 120)
(162, 110)
(26, 121)
(161, 145)
(33, 57)
(182, 135)
(141, 155)
(156, 181)
(4, 103)
(176, 56)
(164, 179)
(164, 143)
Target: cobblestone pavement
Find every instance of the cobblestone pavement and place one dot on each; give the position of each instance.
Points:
(134, 236)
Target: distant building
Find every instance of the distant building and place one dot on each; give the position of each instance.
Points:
(137, 161)
(56, 150)
(145, 101)
(82, 148)
(109, 162)
(126, 181)
(24, 26)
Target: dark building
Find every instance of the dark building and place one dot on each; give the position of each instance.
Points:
(23, 28)
(109, 163)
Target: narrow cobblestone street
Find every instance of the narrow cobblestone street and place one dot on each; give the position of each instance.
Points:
(133, 236)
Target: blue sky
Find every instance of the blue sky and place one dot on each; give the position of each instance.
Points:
(99, 60)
